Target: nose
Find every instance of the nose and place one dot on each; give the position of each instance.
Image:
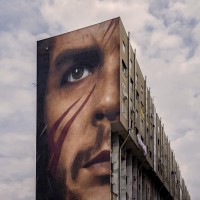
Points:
(107, 100)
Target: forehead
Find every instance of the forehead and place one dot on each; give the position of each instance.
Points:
(104, 35)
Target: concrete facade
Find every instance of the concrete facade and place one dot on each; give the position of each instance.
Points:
(147, 168)
(138, 163)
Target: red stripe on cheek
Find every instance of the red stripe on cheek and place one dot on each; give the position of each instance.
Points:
(56, 150)
(56, 125)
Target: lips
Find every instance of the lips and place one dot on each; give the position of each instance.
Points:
(104, 156)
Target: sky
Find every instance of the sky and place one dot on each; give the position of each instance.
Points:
(166, 36)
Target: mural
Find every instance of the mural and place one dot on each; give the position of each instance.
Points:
(77, 100)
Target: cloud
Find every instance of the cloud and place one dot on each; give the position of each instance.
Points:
(18, 189)
(166, 37)
(17, 160)
(186, 149)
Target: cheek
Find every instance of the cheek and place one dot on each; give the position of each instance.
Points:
(73, 144)
(68, 152)
(80, 137)
(65, 127)
(55, 105)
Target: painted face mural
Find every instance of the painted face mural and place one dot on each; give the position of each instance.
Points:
(78, 99)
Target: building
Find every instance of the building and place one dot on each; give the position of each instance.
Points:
(142, 165)
(148, 168)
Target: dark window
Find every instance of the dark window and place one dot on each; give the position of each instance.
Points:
(131, 123)
(124, 68)
(123, 46)
(137, 95)
(131, 84)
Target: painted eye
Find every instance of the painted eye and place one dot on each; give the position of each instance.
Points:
(78, 73)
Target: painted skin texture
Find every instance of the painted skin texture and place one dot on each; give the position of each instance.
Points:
(81, 101)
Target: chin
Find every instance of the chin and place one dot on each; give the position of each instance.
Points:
(98, 193)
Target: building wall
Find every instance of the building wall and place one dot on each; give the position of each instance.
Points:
(141, 162)
(149, 158)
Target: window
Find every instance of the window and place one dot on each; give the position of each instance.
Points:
(123, 47)
(137, 95)
(131, 84)
(131, 62)
(150, 154)
(142, 122)
(141, 89)
(131, 105)
(136, 78)
(131, 123)
(132, 113)
(136, 114)
(124, 68)
(136, 130)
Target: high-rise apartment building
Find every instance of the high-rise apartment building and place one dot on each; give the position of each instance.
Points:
(98, 133)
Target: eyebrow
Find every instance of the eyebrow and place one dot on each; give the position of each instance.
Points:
(92, 53)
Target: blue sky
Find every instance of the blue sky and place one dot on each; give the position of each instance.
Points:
(165, 34)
